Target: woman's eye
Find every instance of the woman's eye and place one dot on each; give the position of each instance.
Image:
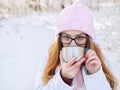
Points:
(80, 38)
(66, 37)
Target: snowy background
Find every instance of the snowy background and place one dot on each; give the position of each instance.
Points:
(27, 30)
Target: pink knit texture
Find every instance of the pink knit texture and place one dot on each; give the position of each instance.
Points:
(76, 17)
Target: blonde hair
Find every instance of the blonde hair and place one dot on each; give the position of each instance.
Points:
(54, 61)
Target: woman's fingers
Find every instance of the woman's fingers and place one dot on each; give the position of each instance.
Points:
(92, 62)
(94, 57)
(76, 67)
(70, 68)
(77, 64)
(90, 52)
(91, 55)
(72, 61)
(61, 59)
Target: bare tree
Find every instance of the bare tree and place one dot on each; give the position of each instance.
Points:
(37, 6)
(98, 5)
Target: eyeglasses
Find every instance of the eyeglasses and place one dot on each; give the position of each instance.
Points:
(79, 40)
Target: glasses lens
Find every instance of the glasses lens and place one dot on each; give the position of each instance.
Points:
(81, 40)
(65, 39)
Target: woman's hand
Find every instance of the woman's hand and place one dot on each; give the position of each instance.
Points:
(70, 68)
(92, 62)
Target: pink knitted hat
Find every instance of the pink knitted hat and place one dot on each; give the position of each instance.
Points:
(76, 17)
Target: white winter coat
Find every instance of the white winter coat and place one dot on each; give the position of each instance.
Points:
(95, 81)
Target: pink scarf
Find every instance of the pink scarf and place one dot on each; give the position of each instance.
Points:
(79, 83)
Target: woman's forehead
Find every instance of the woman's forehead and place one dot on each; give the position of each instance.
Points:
(73, 32)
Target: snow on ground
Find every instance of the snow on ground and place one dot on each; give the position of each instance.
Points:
(23, 41)
(108, 30)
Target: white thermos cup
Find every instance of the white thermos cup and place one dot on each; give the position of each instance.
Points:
(69, 52)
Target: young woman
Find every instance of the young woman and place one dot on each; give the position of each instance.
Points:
(75, 28)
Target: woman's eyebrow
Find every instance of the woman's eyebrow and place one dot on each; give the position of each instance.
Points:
(66, 34)
(75, 35)
(82, 34)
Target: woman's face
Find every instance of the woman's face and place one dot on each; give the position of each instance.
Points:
(73, 38)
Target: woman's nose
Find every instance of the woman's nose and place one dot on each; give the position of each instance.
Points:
(73, 43)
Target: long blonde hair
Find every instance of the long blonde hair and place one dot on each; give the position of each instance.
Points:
(54, 61)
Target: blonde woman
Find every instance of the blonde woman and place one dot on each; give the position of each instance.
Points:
(75, 29)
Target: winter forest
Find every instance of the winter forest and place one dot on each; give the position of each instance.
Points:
(27, 29)
(23, 7)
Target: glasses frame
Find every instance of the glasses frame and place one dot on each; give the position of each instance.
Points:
(74, 40)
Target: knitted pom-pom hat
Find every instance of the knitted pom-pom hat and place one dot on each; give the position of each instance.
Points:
(76, 17)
